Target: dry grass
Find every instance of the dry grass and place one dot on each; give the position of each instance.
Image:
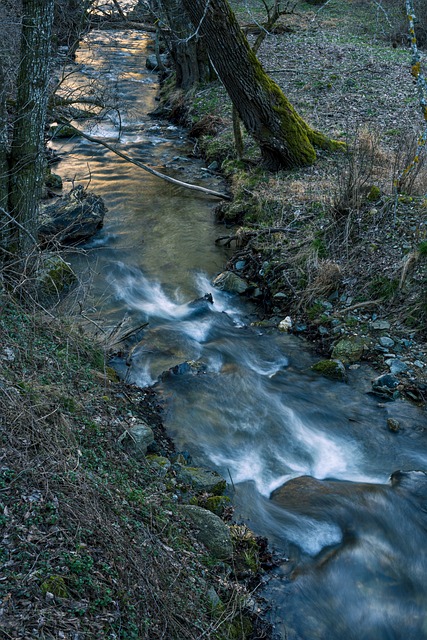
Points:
(91, 544)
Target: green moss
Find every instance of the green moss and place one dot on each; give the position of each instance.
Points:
(63, 131)
(217, 504)
(53, 180)
(422, 248)
(55, 275)
(330, 369)
(374, 194)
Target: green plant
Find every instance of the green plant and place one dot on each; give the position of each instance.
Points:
(319, 247)
(314, 311)
(383, 287)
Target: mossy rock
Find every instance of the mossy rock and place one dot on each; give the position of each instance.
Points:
(54, 585)
(55, 275)
(333, 369)
(348, 350)
(218, 504)
(160, 464)
(210, 530)
(111, 374)
(202, 480)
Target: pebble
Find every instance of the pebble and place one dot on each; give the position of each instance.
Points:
(8, 354)
(397, 366)
(419, 364)
(393, 425)
(386, 342)
(285, 324)
(380, 325)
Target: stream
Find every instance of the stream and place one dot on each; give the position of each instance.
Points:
(310, 460)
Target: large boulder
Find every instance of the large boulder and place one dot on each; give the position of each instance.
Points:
(230, 282)
(137, 439)
(210, 530)
(73, 218)
(202, 480)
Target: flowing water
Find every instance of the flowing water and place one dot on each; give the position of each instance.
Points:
(353, 548)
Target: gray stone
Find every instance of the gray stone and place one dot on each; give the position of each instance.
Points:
(202, 480)
(137, 439)
(385, 385)
(73, 218)
(230, 282)
(210, 531)
(213, 598)
(397, 366)
(380, 325)
(386, 342)
(160, 464)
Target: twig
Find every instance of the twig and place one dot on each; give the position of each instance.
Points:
(232, 483)
(368, 303)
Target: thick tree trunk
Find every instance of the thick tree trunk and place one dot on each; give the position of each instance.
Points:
(285, 139)
(188, 51)
(27, 164)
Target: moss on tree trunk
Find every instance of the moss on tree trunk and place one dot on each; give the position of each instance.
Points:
(284, 138)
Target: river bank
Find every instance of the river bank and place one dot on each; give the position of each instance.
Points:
(333, 247)
(93, 542)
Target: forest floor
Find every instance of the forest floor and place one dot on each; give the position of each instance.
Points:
(334, 246)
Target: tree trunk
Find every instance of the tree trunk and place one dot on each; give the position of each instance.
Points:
(27, 163)
(284, 138)
(188, 51)
(4, 169)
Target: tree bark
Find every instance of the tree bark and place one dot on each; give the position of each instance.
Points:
(4, 168)
(27, 163)
(284, 138)
(188, 51)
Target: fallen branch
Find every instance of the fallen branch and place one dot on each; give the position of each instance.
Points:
(359, 305)
(246, 235)
(144, 167)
